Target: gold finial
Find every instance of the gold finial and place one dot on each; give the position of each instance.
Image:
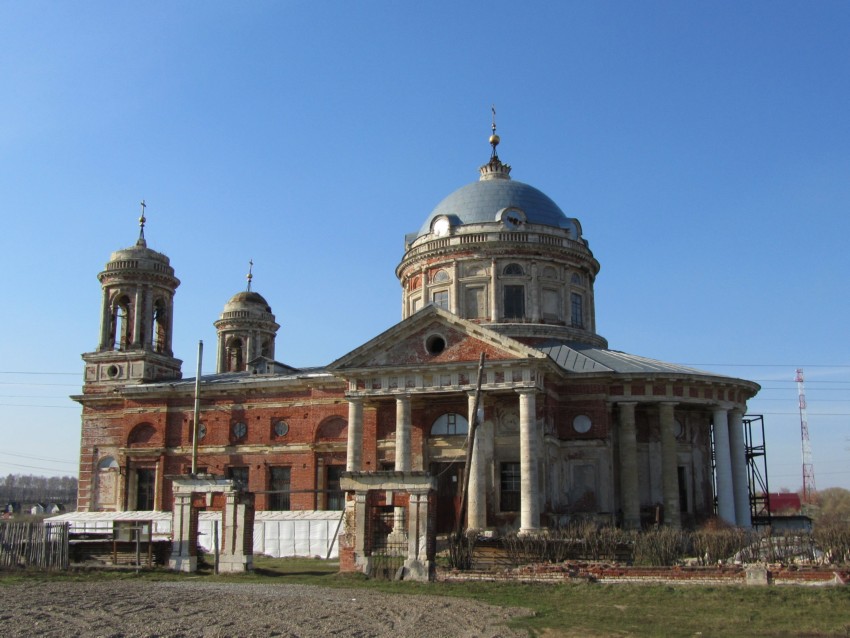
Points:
(250, 275)
(142, 221)
(494, 139)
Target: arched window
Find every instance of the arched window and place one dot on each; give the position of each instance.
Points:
(450, 424)
(141, 435)
(576, 279)
(440, 277)
(334, 428)
(513, 270)
(107, 463)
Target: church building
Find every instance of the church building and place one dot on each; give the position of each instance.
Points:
(568, 427)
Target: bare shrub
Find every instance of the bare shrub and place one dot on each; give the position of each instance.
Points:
(461, 549)
(660, 546)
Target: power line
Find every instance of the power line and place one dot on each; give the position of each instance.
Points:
(56, 373)
(38, 458)
(34, 467)
(31, 405)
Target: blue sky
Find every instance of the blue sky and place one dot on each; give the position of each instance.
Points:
(705, 148)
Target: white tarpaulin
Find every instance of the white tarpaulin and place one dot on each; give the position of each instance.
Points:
(276, 534)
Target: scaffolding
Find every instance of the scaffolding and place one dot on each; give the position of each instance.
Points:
(756, 453)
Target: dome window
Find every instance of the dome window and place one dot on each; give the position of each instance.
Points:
(512, 218)
(513, 270)
(441, 226)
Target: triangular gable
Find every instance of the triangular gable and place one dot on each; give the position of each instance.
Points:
(405, 344)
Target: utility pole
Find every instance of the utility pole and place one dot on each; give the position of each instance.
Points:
(470, 445)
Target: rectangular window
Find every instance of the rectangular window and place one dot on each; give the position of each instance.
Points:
(475, 303)
(239, 475)
(576, 310)
(514, 302)
(145, 483)
(509, 487)
(279, 486)
(335, 496)
(416, 304)
(441, 299)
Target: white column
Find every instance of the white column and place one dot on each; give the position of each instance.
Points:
(354, 452)
(476, 517)
(740, 482)
(669, 466)
(105, 323)
(494, 291)
(138, 314)
(529, 505)
(402, 434)
(723, 467)
(629, 485)
(535, 294)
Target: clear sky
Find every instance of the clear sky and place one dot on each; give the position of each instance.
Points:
(704, 146)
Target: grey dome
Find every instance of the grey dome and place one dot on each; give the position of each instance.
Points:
(481, 201)
(247, 300)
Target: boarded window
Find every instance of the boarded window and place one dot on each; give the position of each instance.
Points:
(475, 303)
(514, 302)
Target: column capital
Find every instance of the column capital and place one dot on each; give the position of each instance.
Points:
(526, 390)
(626, 404)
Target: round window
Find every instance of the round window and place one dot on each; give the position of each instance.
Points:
(678, 429)
(281, 428)
(582, 424)
(112, 371)
(202, 431)
(435, 344)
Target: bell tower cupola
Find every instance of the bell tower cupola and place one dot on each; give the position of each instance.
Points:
(246, 330)
(137, 317)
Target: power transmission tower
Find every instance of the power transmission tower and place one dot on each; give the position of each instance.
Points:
(809, 489)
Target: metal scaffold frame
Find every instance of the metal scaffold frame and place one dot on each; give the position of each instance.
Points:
(757, 469)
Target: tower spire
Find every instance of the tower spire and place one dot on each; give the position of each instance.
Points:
(142, 220)
(494, 169)
(250, 274)
(494, 139)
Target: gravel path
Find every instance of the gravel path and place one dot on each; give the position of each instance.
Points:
(122, 609)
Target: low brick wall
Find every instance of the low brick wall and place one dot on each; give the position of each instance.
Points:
(678, 575)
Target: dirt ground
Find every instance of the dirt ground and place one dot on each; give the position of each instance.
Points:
(122, 609)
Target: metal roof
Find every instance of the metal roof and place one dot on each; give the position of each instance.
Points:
(481, 201)
(581, 358)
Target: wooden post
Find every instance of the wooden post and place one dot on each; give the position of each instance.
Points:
(470, 444)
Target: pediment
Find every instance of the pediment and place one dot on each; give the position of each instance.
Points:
(433, 336)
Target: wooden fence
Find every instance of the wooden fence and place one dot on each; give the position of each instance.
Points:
(34, 545)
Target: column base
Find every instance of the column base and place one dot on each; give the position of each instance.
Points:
(188, 564)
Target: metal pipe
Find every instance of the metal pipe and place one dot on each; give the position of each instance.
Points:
(197, 410)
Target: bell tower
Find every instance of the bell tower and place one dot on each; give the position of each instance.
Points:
(137, 318)
(246, 330)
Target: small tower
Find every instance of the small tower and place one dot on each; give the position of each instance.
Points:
(137, 315)
(246, 330)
